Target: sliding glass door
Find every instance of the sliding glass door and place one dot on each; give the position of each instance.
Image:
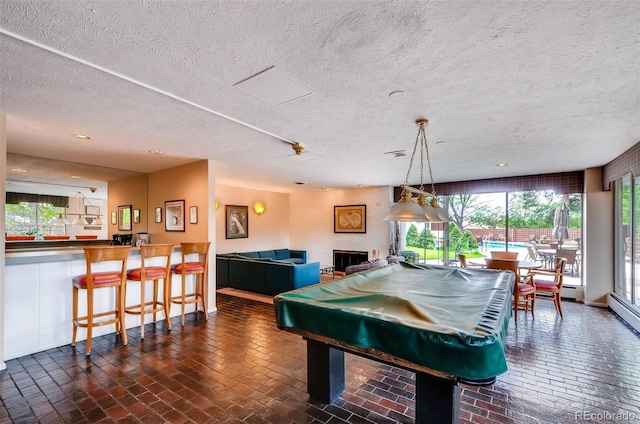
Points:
(626, 231)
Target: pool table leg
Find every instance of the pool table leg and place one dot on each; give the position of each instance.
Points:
(325, 371)
(437, 400)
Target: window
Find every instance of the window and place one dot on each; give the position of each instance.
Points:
(34, 219)
(626, 221)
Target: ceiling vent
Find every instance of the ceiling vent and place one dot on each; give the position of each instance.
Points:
(274, 86)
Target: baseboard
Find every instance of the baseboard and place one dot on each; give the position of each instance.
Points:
(597, 304)
(623, 311)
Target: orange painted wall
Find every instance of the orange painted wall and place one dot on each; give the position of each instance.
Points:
(188, 182)
(128, 191)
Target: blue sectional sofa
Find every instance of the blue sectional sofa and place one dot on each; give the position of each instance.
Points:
(267, 272)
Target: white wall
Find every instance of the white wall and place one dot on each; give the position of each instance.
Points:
(267, 231)
(597, 247)
(311, 224)
(77, 206)
(3, 189)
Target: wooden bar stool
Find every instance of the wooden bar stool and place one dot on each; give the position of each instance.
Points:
(155, 273)
(99, 280)
(197, 268)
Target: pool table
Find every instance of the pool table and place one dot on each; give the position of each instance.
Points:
(446, 324)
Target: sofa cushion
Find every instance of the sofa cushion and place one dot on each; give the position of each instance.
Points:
(292, 260)
(365, 266)
(282, 254)
(267, 254)
(249, 254)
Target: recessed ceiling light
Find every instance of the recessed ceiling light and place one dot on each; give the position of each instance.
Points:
(76, 176)
(359, 185)
(34, 127)
(441, 142)
(300, 183)
(501, 165)
(156, 152)
(81, 136)
(18, 170)
(397, 94)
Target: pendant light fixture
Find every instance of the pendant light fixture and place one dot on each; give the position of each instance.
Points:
(80, 220)
(425, 207)
(60, 220)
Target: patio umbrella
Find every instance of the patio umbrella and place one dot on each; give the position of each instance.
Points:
(561, 223)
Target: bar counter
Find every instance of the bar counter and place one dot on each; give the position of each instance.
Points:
(38, 293)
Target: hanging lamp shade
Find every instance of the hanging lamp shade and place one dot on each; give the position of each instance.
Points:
(442, 215)
(98, 221)
(60, 220)
(427, 209)
(79, 221)
(406, 210)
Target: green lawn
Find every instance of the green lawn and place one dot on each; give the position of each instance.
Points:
(433, 254)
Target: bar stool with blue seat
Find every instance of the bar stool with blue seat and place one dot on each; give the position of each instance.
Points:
(156, 273)
(197, 268)
(92, 281)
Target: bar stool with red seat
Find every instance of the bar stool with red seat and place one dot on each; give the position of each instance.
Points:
(100, 280)
(199, 270)
(156, 273)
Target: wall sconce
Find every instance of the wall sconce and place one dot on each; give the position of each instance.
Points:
(259, 208)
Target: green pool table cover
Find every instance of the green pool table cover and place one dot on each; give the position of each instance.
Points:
(452, 320)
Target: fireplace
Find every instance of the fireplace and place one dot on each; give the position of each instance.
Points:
(343, 258)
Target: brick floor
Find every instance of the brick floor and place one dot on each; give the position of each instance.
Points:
(237, 367)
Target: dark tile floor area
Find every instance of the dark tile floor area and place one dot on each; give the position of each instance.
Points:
(237, 367)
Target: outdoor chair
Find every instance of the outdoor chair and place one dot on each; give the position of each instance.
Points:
(524, 292)
(571, 256)
(505, 255)
(533, 255)
(547, 285)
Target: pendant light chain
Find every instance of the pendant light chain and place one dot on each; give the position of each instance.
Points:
(415, 146)
(426, 149)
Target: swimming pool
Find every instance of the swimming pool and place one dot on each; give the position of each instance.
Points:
(500, 245)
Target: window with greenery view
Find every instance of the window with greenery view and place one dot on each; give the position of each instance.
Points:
(33, 219)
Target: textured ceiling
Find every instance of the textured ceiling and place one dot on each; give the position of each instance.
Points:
(543, 86)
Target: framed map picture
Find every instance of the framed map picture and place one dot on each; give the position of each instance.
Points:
(350, 219)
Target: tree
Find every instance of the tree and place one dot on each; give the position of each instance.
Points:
(412, 236)
(468, 241)
(425, 240)
(455, 237)
(469, 209)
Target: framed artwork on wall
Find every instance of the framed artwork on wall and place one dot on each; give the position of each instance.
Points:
(114, 218)
(350, 219)
(124, 218)
(174, 215)
(193, 214)
(92, 210)
(237, 221)
(136, 216)
(158, 215)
